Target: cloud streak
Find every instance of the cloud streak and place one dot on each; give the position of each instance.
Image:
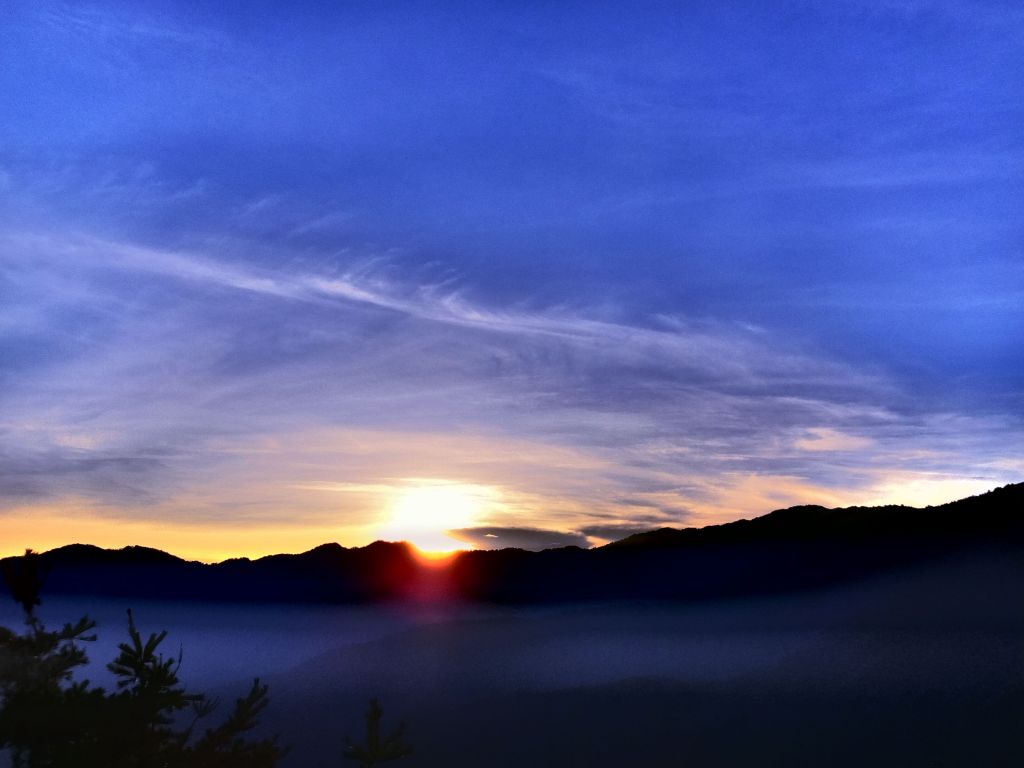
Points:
(621, 281)
(209, 405)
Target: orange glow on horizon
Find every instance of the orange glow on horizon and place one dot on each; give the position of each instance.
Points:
(209, 543)
(427, 514)
(435, 558)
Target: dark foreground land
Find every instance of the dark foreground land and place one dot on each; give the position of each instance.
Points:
(787, 550)
(881, 656)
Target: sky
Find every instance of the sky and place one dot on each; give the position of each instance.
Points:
(501, 274)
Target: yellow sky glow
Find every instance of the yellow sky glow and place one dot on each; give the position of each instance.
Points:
(423, 513)
(423, 510)
(208, 542)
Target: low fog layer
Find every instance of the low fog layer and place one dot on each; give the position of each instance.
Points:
(924, 666)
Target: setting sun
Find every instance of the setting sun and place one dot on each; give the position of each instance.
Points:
(424, 514)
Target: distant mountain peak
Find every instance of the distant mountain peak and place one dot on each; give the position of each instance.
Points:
(793, 548)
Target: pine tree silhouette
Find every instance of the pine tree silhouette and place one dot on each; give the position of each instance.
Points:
(377, 750)
(24, 579)
(48, 720)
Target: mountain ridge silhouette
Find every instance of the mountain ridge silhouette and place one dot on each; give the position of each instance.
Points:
(787, 549)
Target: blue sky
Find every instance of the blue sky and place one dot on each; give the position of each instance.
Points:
(270, 270)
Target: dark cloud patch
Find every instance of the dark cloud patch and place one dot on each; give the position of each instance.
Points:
(672, 516)
(15, 487)
(659, 516)
(486, 537)
(636, 501)
(53, 473)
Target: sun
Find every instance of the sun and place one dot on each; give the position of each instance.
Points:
(423, 514)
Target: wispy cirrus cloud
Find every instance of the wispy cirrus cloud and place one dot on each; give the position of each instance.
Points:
(132, 28)
(728, 350)
(212, 390)
(619, 280)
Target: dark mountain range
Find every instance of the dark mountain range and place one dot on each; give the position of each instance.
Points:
(790, 549)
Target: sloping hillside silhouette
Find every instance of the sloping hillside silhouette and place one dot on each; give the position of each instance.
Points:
(797, 548)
